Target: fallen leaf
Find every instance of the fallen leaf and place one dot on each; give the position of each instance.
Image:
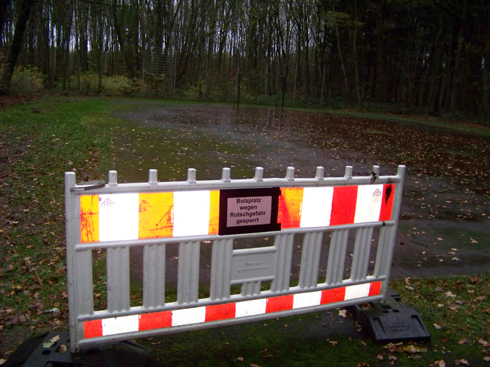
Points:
(343, 313)
(483, 342)
(475, 279)
(462, 341)
(450, 294)
(47, 344)
(461, 362)
(380, 357)
(440, 363)
(438, 327)
(240, 359)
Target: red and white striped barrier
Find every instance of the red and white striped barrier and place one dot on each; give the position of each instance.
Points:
(226, 311)
(117, 217)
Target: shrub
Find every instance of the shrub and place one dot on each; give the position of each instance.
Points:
(119, 85)
(26, 81)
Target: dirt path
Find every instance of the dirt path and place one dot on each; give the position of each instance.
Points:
(445, 222)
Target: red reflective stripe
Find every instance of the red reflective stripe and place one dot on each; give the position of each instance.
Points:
(343, 205)
(333, 295)
(159, 320)
(220, 312)
(374, 289)
(155, 320)
(277, 304)
(387, 202)
(92, 329)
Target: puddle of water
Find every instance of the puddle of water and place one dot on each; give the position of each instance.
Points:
(443, 189)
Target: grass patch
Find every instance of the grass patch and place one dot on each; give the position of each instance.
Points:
(39, 141)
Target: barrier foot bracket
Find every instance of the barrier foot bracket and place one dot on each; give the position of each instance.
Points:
(53, 349)
(391, 321)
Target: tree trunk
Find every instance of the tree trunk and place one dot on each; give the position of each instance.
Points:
(342, 64)
(4, 4)
(486, 81)
(120, 37)
(437, 80)
(20, 27)
(356, 63)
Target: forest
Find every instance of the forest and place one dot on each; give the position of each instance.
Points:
(428, 55)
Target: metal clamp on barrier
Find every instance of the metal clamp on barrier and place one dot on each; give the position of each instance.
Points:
(328, 214)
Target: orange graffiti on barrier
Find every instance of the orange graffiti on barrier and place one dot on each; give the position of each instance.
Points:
(89, 218)
(156, 215)
(214, 212)
(289, 214)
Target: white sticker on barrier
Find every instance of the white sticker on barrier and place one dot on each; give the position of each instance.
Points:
(118, 217)
(191, 213)
(368, 206)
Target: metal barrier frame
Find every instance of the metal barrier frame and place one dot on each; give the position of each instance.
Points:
(155, 317)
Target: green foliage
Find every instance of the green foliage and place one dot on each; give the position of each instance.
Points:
(115, 86)
(89, 83)
(119, 85)
(26, 81)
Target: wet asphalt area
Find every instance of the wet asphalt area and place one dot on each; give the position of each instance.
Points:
(444, 226)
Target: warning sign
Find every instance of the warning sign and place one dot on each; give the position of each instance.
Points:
(248, 211)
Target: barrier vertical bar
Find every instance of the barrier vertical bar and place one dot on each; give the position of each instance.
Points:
(71, 239)
(221, 269)
(188, 272)
(118, 279)
(250, 288)
(362, 249)
(385, 252)
(154, 275)
(310, 259)
(284, 245)
(336, 256)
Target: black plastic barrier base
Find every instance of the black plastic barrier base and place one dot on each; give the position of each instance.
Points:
(391, 321)
(53, 350)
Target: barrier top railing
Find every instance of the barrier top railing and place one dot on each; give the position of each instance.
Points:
(117, 217)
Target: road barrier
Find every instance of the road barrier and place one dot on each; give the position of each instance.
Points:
(116, 218)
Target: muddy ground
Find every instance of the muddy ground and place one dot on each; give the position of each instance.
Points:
(445, 218)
